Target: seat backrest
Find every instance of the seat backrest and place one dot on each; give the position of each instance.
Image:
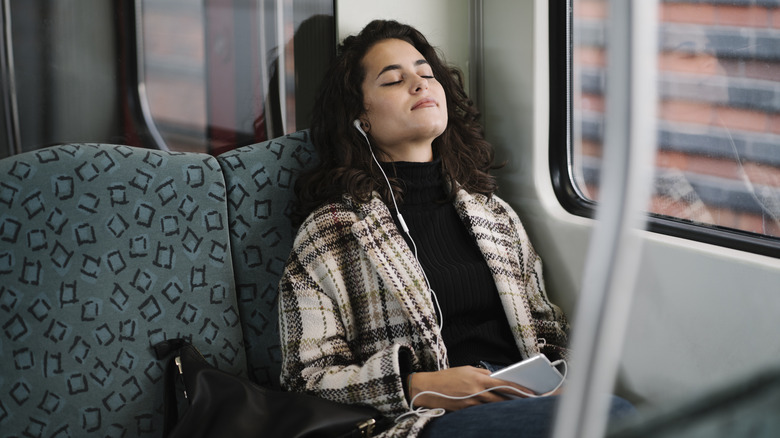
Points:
(260, 179)
(104, 251)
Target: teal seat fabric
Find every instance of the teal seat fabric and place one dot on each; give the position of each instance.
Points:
(106, 250)
(260, 179)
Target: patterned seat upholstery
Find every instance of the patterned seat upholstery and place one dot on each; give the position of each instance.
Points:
(104, 251)
(259, 191)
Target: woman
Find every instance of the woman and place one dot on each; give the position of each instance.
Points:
(373, 314)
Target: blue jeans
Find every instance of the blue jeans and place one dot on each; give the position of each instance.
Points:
(522, 417)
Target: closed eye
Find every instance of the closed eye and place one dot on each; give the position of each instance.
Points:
(388, 84)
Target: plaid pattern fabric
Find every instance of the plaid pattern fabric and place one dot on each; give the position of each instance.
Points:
(352, 298)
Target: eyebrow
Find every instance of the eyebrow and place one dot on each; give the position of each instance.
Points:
(398, 66)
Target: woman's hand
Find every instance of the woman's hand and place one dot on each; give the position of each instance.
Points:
(459, 382)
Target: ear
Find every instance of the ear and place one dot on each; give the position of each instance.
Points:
(365, 124)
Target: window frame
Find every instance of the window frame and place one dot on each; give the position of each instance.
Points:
(560, 160)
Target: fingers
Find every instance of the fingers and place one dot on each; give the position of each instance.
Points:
(510, 391)
(478, 370)
(453, 403)
(460, 387)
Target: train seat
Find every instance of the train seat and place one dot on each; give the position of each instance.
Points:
(259, 179)
(106, 250)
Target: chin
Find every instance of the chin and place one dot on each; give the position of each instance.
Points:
(434, 128)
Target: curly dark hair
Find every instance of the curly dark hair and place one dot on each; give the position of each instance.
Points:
(345, 164)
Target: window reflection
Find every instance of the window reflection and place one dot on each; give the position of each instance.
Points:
(224, 73)
(719, 124)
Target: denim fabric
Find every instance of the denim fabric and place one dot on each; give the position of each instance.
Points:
(523, 417)
(489, 366)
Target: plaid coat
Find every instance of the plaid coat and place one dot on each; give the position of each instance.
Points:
(355, 314)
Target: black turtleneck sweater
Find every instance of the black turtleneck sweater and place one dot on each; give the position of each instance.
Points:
(475, 327)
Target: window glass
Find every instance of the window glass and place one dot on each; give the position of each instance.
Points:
(174, 68)
(718, 161)
(218, 74)
(58, 74)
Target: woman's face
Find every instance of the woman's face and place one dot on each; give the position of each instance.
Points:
(405, 106)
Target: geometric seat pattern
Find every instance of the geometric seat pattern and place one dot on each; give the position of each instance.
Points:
(106, 250)
(260, 197)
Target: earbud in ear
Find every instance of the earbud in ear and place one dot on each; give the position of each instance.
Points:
(356, 123)
(361, 126)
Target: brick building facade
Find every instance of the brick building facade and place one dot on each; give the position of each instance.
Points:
(718, 159)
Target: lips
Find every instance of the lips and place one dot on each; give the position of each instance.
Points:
(425, 103)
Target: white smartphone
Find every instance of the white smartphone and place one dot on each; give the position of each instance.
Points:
(535, 373)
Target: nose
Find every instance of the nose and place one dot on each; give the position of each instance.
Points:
(419, 84)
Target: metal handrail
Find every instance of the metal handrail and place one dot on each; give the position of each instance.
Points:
(8, 76)
(604, 302)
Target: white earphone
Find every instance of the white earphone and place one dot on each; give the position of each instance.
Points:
(401, 220)
(359, 127)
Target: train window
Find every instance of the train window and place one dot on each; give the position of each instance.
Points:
(180, 75)
(58, 74)
(221, 73)
(717, 170)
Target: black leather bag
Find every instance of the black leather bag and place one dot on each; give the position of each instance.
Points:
(223, 405)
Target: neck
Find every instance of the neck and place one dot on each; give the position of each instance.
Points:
(410, 152)
(422, 183)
